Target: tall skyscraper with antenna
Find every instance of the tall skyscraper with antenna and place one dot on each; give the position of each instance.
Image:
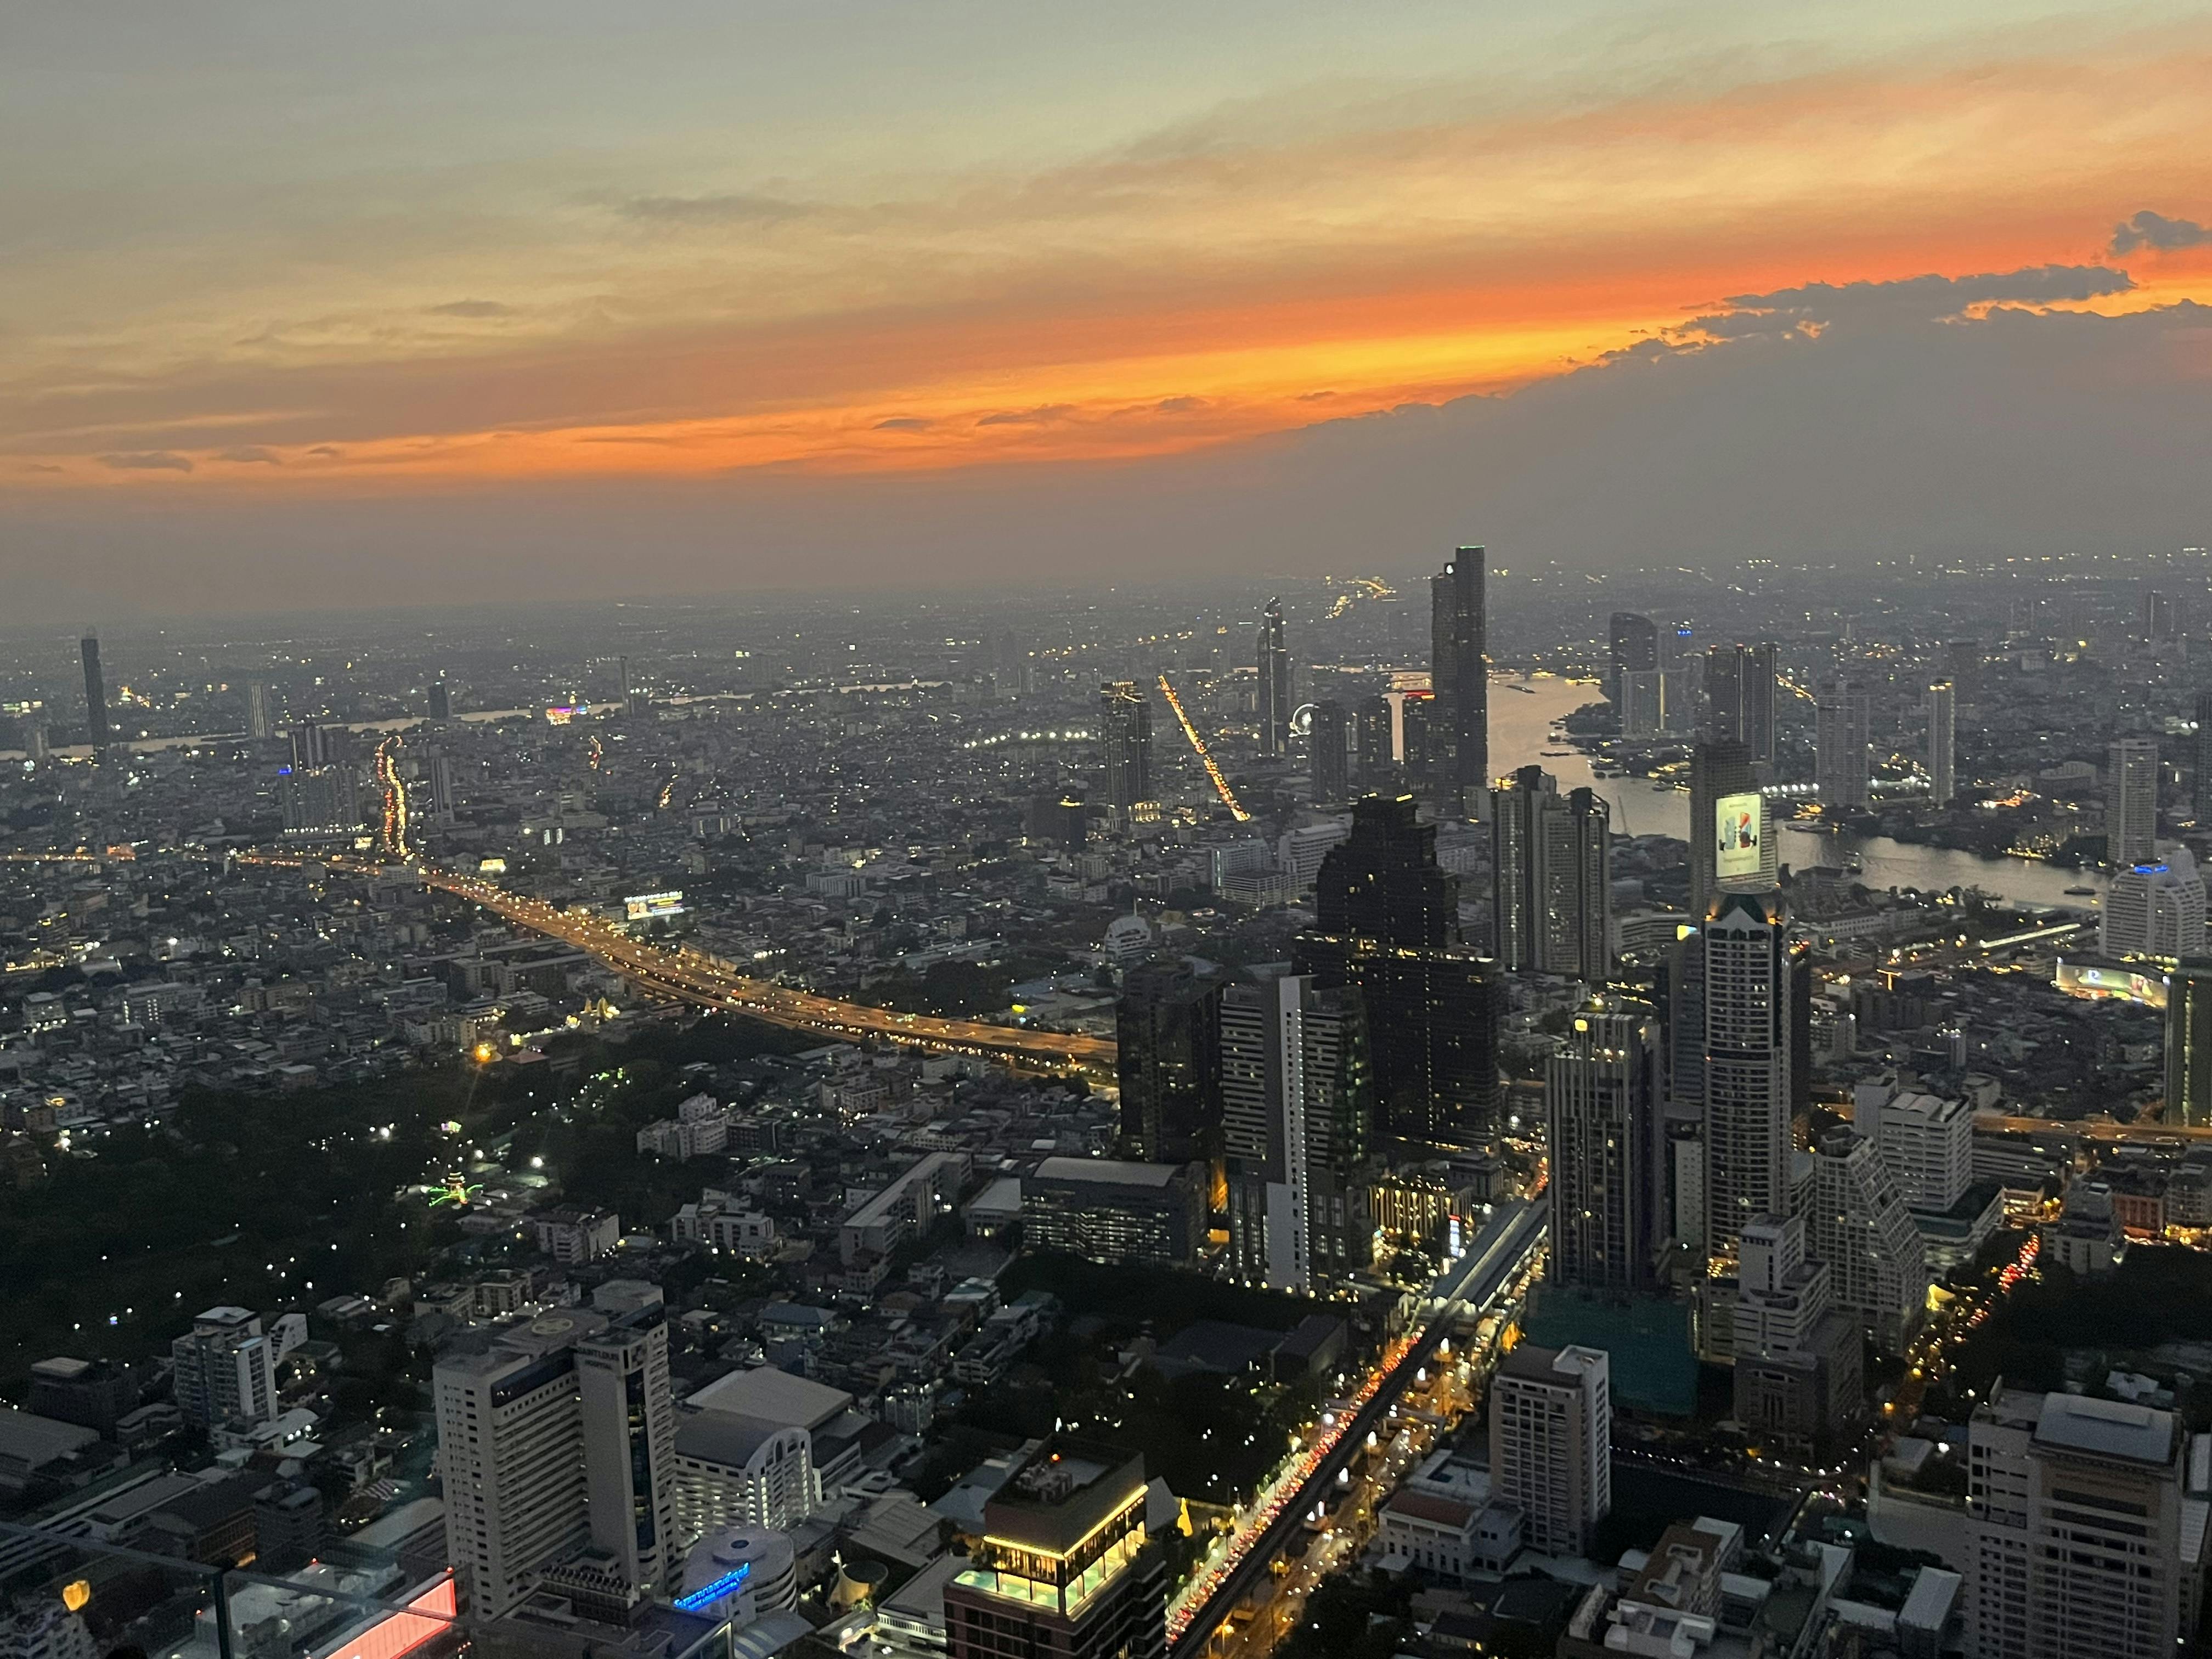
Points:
(1459, 761)
(1275, 664)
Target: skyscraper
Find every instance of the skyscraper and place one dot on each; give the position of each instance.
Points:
(2131, 802)
(1386, 916)
(1459, 675)
(1739, 687)
(260, 710)
(1378, 762)
(1606, 1151)
(1167, 1048)
(1275, 704)
(1551, 1451)
(1296, 1123)
(442, 702)
(1329, 746)
(2189, 1044)
(1059, 1565)
(1752, 1048)
(1844, 721)
(1125, 737)
(2202, 748)
(1383, 882)
(95, 692)
(1551, 898)
(1943, 736)
(1635, 650)
(1732, 844)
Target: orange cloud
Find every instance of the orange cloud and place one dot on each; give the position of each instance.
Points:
(1145, 303)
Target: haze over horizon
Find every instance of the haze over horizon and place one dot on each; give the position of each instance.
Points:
(319, 309)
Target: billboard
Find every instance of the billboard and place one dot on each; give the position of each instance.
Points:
(2093, 978)
(643, 907)
(1738, 823)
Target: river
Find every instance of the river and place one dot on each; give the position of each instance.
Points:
(1521, 730)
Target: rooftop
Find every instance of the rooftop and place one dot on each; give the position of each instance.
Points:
(773, 1396)
(1110, 1171)
(2109, 1428)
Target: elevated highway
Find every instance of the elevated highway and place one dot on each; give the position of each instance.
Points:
(1473, 1284)
(708, 981)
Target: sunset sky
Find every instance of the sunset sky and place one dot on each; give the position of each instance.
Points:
(488, 279)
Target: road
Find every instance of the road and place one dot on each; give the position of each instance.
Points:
(1475, 1283)
(708, 981)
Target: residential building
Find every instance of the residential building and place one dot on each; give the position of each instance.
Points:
(1942, 744)
(571, 1233)
(1329, 746)
(1757, 1027)
(1798, 1361)
(1125, 739)
(1862, 1228)
(1606, 1123)
(1458, 765)
(225, 1367)
(1276, 705)
(2131, 802)
(1551, 891)
(1634, 649)
(1739, 690)
(2083, 1540)
(1926, 1140)
(1842, 735)
(1297, 1121)
(1551, 1452)
(2189, 1043)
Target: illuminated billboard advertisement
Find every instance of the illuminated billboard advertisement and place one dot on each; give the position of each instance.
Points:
(2091, 979)
(643, 907)
(1736, 829)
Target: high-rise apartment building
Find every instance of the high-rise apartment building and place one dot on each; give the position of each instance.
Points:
(1732, 841)
(2077, 1529)
(1843, 736)
(1861, 1226)
(1329, 746)
(1634, 644)
(1550, 1450)
(1167, 1050)
(1551, 890)
(1060, 1566)
(1274, 664)
(1125, 739)
(1606, 1151)
(442, 702)
(1377, 751)
(2156, 909)
(1739, 688)
(260, 710)
(225, 1369)
(1755, 1033)
(557, 1437)
(2189, 1043)
(95, 692)
(325, 801)
(1459, 674)
(2201, 750)
(1942, 741)
(1798, 1360)
(2131, 802)
(1927, 1141)
(1297, 1122)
